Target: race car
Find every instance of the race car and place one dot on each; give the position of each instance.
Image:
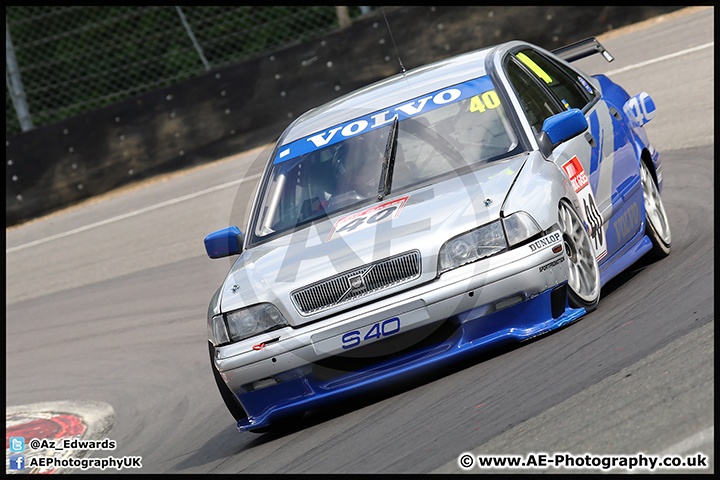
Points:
(481, 199)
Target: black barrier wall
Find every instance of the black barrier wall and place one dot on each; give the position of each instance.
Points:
(232, 109)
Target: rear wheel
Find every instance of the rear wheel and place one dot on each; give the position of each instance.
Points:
(583, 272)
(657, 227)
(231, 402)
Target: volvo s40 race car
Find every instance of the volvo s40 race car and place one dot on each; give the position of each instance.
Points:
(480, 199)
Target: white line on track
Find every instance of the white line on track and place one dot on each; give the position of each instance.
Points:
(132, 214)
(237, 182)
(691, 444)
(660, 59)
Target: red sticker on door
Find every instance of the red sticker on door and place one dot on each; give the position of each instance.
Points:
(577, 175)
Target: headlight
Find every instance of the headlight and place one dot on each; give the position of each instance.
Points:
(474, 245)
(244, 323)
(520, 226)
(217, 332)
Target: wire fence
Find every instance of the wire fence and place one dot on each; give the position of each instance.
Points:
(64, 61)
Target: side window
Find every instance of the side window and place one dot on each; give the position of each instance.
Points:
(537, 104)
(566, 88)
(580, 83)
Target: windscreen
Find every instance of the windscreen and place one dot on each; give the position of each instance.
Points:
(341, 168)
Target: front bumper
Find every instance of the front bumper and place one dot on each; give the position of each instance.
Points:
(513, 296)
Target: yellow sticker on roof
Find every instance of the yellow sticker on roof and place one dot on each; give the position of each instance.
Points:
(534, 67)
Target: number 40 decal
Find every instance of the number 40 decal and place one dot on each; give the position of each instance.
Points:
(487, 100)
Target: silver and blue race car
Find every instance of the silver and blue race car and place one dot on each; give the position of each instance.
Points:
(481, 199)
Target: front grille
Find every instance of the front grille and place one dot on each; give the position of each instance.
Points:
(357, 283)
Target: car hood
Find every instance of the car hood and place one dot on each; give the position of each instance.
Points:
(421, 219)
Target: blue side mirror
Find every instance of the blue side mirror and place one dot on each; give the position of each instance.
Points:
(224, 243)
(640, 109)
(561, 127)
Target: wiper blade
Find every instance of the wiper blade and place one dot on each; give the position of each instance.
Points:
(388, 162)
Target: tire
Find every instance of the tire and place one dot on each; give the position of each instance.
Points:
(657, 227)
(583, 271)
(233, 406)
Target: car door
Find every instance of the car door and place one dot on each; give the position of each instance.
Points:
(602, 162)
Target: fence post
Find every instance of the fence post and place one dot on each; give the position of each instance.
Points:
(14, 84)
(343, 16)
(192, 37)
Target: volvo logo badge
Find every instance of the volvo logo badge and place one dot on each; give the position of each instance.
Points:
(356, 282)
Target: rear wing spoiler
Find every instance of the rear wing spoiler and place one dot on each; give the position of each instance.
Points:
(582, 49)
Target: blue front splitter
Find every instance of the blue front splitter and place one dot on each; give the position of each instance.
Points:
(520, 322)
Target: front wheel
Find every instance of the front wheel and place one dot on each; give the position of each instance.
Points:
(657, 227)
(583, 271)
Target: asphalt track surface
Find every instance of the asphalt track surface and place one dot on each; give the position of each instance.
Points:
(107, 301)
